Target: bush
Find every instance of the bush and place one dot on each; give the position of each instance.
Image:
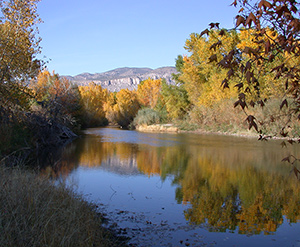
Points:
(221, 116)
(147, 116)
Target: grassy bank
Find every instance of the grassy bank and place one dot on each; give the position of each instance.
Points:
(34, 212)
(223, 117)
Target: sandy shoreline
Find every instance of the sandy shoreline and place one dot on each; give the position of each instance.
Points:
(171, 128)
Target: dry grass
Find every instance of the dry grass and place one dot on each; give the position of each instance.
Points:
(223, 117)
(33, 212)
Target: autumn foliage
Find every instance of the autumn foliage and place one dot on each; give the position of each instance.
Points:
(56, 97)
(92, 98)
(149, 92)
(253, 67)
(273, 50)
(19, 46)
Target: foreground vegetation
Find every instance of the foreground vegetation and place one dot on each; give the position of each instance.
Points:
(34, 212)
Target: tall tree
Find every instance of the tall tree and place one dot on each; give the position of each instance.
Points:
(282, 18)
(128, 106)
(199, 76)
(19, 40)
(19, 45)
(58, 97)
(176, 100)
(148, 92)
(93, 98)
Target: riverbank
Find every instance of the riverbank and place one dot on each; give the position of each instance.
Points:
(177, 128)
(173, 128)
(157, 128)
(34, 212)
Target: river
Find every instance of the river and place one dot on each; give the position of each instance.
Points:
(187, 189)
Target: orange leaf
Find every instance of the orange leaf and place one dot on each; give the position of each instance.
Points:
(286, 159)
(265, 4)
(213, 58)
(225, 84)
(206, 31)
(212, 25)
(230, 73)
(267, 46)
(239, 85)
(236, 103)
(224, 64)
(240, 20)
(251, 18)
(283, 103)
(297, 172)
(222, 32)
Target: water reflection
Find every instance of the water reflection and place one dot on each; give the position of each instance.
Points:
(228, 183)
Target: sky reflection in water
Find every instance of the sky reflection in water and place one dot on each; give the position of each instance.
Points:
(172, 189)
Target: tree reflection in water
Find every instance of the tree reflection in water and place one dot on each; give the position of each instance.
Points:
(239, 185)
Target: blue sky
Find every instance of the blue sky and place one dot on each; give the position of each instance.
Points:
(99, 35)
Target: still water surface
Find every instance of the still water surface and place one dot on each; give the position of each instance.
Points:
(187, 189)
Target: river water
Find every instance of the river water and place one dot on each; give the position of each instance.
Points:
(186, 189)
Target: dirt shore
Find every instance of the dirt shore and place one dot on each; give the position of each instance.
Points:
(158, 128)
(171, 128)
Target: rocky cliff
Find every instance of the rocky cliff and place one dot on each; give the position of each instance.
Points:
(117, 79)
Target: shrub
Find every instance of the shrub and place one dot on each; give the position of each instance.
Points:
(147, 116)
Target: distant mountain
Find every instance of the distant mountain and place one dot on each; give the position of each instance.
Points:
(117, 79)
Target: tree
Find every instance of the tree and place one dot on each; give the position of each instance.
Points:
(111, 107)
(19, 45)
(57, 95)
(175, 97)
(178, 65)
(176, 100)
(282, 19)
(200, 76)
(92, 99)
(128, 106)
(148, 92)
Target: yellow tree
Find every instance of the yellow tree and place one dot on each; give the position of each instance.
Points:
(93, 98)
(41, 85)
(282, 17)
(148, 92)
(19, 46)
(127, 105)
(111, 108)
(267, 87)
(201, 78)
